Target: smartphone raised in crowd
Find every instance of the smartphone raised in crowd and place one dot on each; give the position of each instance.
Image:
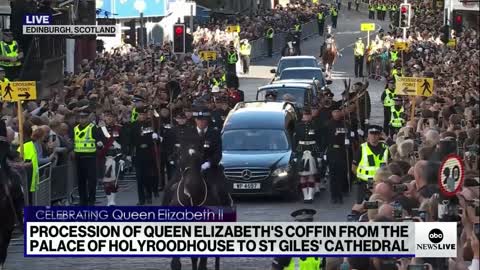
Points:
(417, 267)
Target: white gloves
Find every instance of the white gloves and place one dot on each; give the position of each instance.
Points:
(155, 136)
(319, 160)
(129, 159)
(295, 160)
(100, 144)
(360, 132)
(205, 166)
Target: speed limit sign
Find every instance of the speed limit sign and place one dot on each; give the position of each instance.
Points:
(451, 175)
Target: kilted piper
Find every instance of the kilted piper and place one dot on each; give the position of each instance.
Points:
(307, 154)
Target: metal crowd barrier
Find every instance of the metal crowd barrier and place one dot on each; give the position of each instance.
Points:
(43, 194)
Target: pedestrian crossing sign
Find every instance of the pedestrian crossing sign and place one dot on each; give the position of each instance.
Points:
(19, 90)
(367, 27)
(233, 28)
(414, 86)
(208, 55)
(400, 45)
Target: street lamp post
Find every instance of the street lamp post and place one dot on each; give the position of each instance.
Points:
(140, 6)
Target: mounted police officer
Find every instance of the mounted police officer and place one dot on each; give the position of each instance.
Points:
(388, 101)
(307, 154)
(110, 156)
(397, 118)
(87, 138)
(211, 142)
(371, 155)
(302, 263)
(174, 139)
(142, 141)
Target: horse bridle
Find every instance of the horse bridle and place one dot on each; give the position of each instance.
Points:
(188, 194)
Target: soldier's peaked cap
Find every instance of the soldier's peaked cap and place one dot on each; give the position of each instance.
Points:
(303, 214)
(138, 98)
(201, 112)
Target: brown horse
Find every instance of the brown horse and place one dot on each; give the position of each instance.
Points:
(190, 187)
(329, 56)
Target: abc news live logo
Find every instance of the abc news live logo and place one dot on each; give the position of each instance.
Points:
(41, 24)
(436, 239)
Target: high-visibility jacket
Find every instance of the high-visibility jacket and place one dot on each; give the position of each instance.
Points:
(366, 169)
(134, 115)
(219, 82)
(310, 263)
(393, 56)
(396, 119)
(371, 7)
(245, 49)
(30, 153)
(162, 58)
(384, 8)
(83, 140)
(298, 27)
(393, 7)
(389, 96)
(270, 33)
(379, 7)
(359, 48)
(320, 17)
(9, 50)
(333, 12)
(232, 58)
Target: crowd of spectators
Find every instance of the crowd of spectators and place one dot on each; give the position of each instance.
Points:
(445, 123)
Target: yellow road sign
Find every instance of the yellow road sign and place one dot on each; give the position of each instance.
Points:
(208, 55)
(400, 45)
(414, 86)
(233, 28)
(452, 43)
(19, 90)
(367, 27)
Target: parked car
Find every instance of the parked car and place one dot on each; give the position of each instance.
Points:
(294, 61)
(257, 148)
(303, 92)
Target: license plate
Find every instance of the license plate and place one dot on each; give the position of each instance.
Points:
(246, 185)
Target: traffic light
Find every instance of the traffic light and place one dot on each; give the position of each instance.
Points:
(404, 20)
(457, 23)
(131, 37)
(179, 38)
(445, 34)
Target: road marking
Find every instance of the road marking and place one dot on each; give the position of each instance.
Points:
(347, 32)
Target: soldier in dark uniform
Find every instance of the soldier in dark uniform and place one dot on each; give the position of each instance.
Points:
(308, 263)
(190, 121)
(220, 112)
(338, 155)
(109, 158)
(307, 154)
(161, 126)
(211, 143)
(142, 139)
(320, 124)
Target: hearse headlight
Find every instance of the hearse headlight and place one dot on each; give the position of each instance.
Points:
(281, 172)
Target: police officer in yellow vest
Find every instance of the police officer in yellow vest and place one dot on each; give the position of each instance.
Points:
(334, 14)
(379, 11)
(397, 118)
(245, 50)
(302, 263)
(321, 22)
(393, 55)
(218, 79)
(231, 58)
(87, 137)
(393, 10)
(371, 11)
(269, 37)
(10, 55)
(384, 11)
(387, 98)
(359, 52)
(371, 155)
